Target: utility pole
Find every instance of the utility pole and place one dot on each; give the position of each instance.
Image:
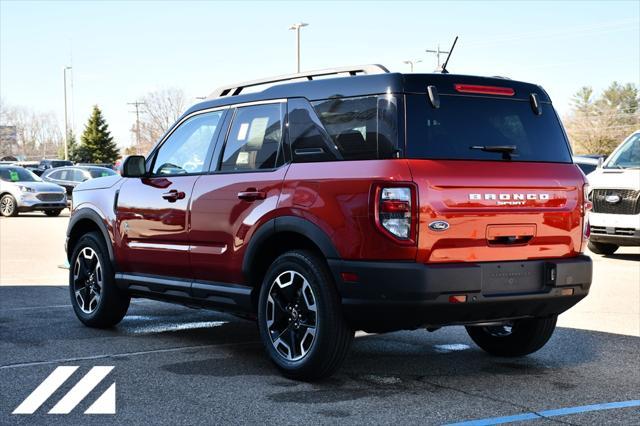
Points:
(137, 105)
(438, 52)
(66, 121)
(411, 63)
(296, 28)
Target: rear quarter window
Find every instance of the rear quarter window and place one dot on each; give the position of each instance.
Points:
(449, 132)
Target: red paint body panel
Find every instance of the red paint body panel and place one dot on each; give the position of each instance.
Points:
(336, 197)
(222, 224)
(445, 188)
(151, 231)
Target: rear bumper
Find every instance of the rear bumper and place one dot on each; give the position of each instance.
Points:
(397, 295)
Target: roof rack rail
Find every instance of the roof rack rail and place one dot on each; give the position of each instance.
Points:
(235, 89)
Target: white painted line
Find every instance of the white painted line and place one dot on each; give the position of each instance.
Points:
(45, 390)
(124, 354)
(81, 390)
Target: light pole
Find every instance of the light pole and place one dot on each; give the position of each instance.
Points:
(66, 121)
(412, 63)
(297, 27)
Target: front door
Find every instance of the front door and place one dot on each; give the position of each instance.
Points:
(152, 212)
(242, 190)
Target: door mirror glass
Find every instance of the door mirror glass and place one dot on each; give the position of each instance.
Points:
(134, 166)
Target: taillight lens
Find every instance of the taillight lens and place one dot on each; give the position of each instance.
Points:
(394, 210)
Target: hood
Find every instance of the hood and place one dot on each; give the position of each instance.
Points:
(98, 183)
(615, 178)
(41, 186)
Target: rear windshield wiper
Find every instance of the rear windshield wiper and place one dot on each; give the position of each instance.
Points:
(506, 150)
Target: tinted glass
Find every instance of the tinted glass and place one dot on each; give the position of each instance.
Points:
(96, 173)
(361, 128)
(627, 157)
(461, 122)
(254, 139)
(78, 175)
(61, 163)
(188, 147)
(309, 140)
(17, 174)
(586, 168)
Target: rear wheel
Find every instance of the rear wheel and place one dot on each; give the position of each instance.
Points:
(53, 213)
(602, 248)
(516, 338)
(8, 206)
(300, 317)
(96, 299)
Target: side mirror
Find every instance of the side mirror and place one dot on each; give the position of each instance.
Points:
(134, 166)
(600, 162)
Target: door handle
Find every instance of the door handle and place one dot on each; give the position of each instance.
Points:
(251, 194)
(173, 195)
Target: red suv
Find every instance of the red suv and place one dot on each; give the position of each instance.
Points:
(368, 201)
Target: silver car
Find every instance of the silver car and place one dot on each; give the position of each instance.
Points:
(23, 191)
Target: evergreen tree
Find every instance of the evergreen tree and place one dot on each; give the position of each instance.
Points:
(97, 145)
(72, 147)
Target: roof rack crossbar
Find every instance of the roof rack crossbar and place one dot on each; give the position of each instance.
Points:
(235, 89)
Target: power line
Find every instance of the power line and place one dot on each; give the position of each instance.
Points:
(137, 105)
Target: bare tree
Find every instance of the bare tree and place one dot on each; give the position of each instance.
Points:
(160, 110)
(38, 134)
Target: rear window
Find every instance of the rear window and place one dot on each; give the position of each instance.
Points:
(461, 122)
(96, 173)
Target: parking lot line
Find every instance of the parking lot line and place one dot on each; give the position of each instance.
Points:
(549, 413)
(123, 354)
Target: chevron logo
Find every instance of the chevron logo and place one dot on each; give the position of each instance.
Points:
(105, 404)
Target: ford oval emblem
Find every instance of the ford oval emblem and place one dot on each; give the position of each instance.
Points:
(612, 198)
(439, 225)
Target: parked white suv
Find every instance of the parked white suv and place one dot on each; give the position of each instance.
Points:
(615, 193)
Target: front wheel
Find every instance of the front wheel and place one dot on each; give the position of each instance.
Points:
(516, 338)
(53, 213)
(96, 299)
(300, 317)
(8, 206)
(602, 248)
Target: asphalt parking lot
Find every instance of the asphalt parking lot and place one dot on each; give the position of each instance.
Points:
(178, 365)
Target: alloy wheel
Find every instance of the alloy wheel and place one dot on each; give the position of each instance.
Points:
(87, 280)
(7, 206)
(291, 315)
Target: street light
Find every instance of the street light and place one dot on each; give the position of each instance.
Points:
(412, 63)
(66, 121)
(297, 27)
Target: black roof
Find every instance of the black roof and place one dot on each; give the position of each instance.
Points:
(361, 85)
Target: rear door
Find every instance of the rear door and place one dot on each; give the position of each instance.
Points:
(480, 201)
(152, 212)
(241, 192)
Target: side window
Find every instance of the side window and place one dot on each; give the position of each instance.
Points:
(55, 175)
(188, 147)
(363, 128)
(64, 175)
(254, 138)
(309, 141)
(77, 176)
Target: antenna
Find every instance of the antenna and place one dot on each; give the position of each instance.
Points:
(444, 66)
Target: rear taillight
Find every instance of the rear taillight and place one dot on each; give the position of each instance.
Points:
(485, 90)
(394, 211)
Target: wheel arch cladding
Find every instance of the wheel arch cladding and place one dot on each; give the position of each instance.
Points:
(278, 236)
(83, 222)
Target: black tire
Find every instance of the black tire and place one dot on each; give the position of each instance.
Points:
(8, 206)
(113, 303)
(330, 345)
(602, 248)
(525, 337)
(53, 213)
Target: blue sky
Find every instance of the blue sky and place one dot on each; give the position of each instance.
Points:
(121, 50)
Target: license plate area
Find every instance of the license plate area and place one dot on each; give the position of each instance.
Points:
(512, 278)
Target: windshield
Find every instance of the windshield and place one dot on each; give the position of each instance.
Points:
(96, 173)
(17, 174)
(628, 156)
(483, 128)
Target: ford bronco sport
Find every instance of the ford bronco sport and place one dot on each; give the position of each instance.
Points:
(370, 201)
